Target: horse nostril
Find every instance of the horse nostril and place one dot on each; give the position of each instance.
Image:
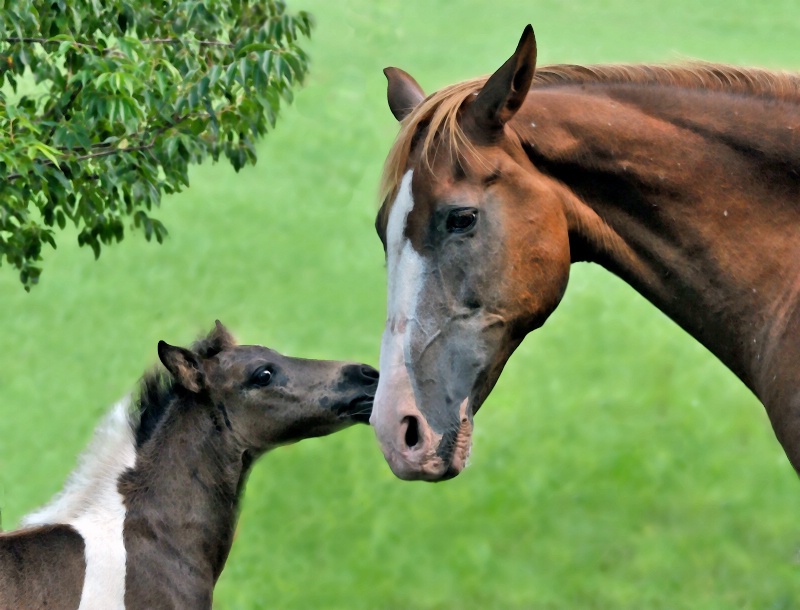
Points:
(412, 432)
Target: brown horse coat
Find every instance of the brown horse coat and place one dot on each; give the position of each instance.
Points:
(683, 181)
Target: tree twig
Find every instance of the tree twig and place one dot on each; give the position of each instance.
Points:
(113, 151)
(33, 40)
(61, 112)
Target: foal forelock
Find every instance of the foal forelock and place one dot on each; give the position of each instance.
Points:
(91, 503)
(439, 112)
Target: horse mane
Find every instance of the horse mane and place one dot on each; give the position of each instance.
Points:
(439, 111)
(694, 75)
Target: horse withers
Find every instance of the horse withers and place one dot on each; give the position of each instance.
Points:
(682, 180)
(147, 519)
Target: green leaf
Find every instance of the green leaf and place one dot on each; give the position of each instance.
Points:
(47, 151)
(126, 97)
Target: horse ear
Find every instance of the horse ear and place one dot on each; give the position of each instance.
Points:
(183, 365)
(505, 91)
(403, 92)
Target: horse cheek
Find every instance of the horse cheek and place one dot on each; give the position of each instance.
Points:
(539, 272)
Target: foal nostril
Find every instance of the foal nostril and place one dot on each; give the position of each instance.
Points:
(360, 374)
(411, 437)
(369, 373)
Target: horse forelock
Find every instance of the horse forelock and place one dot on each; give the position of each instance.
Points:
(439, 112)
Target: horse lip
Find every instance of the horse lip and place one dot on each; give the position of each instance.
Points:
(462, 444)
(460, 455)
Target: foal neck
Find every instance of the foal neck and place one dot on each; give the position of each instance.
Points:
(182, 502)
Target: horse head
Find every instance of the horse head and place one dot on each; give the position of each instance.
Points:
(471, 270)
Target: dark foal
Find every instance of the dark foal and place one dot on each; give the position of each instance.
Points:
(147, 519)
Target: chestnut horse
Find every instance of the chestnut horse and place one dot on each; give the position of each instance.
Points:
(683, 181)
(147, 519)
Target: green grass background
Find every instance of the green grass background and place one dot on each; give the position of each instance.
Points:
(616, 465)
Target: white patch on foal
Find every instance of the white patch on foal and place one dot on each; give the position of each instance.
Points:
(91, 503)
(406, 270)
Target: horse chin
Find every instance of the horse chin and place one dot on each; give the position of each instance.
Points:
(434, 470)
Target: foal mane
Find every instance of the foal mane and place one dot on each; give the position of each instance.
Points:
(92, 486)
(157, 389)
(439, 111)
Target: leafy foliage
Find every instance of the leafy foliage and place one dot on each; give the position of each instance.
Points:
(103, 106)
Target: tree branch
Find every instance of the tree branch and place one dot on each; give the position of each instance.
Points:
(103, 153)
(30, 40)
(111, 151)
(43, 41)
(60, 113)
(202, 43)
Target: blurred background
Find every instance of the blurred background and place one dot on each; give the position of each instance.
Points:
(616, 465)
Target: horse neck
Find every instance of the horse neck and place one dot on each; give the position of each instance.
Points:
(182, 501)
(686, 195)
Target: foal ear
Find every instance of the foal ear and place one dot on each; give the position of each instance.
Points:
(403, 92)
(220, 337)
(184, 366)
(504, 92)
(218, 340)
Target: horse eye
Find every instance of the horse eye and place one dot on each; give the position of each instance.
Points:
(261, 377)
(461, 220)
(492, 178)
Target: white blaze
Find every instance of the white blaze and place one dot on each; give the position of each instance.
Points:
(91, 503)
(406, 270)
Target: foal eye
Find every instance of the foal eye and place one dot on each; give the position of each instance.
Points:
(461, 220)
(261, 377)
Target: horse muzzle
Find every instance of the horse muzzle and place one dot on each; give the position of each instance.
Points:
(415, 452)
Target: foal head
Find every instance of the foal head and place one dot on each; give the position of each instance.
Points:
(266, 399)
(472, 267)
